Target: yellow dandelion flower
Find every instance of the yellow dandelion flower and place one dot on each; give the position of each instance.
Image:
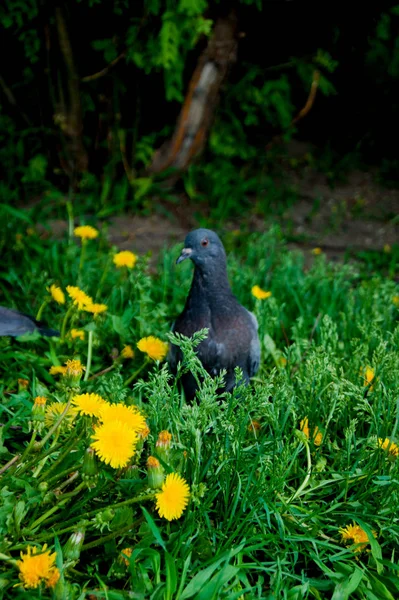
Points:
(282, 361)
(77, 334)
(317, 251)
(85, 232)
(386, 444)
(23, 383)
(259, 293)
(74, 368)
(40, 401)
(125, 553)
(79, 297)
(114, 443)
(127, 352)
(95, 309)
(368, 375)
(52, 580)
(120, 412)
(57, 294)
(37, 566)
(125, 259)
(153, 347)
(316, 435)
(254, 426)
(173, 498)
(57, 370)
(89, 404)
(55, 410)
(395, 300)
(356, 535)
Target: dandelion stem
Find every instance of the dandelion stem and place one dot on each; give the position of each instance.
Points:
(41, 309)
(69, 207)
(68, 481)
(64, 323)
(103, 277)
(89, 355)
(33, 462)
(110, 536)
(68, 446)
(103, 371)
(56, 424)
(9, 464)
(62, 500)
(82, 257)
(29, 446)
(132, 377)
(308, 474)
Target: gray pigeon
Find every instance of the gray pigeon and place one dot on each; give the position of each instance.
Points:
(233, 331)
(14, 323)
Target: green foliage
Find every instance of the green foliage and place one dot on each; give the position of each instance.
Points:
(267, 499)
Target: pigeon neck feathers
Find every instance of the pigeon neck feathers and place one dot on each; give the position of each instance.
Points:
(210, 287)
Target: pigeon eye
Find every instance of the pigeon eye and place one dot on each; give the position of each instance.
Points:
(204, 242)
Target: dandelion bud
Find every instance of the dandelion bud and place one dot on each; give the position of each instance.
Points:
(23, 384)
(90, 468)
(63, 590)
(103, 519)
(43, 487)
(73, 373)
(49, 498)
(73, 546)
(163, 445)
(142, 435)
(132, 472)
(38, 412)
(155, 473)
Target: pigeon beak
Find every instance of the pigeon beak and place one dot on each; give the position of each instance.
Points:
(185, 253)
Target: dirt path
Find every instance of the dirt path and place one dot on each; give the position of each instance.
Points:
(356, 215)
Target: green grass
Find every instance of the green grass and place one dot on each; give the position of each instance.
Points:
(266, 504)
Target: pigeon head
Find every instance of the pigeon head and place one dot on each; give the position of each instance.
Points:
(204, 248)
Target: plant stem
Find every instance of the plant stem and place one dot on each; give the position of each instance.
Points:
(9, 464)
(69, 444)
(62, 500)
(56, 424)
(41, 309)
(69, 207)
(34, 462)
(110, 536)
(308, 474)
(89, 355)
(29, 446)
(132, 377)
(103, 371)
(47, 536)
(82, 257)
(64, 322)
(103, 277)
(123, 503)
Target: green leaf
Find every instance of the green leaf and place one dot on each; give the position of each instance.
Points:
(154, 529)
(171, 576)
(343, 589)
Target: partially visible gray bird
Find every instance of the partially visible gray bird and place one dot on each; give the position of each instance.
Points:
(233, 331)
(14, 323)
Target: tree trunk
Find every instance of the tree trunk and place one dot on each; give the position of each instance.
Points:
(196, 115)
